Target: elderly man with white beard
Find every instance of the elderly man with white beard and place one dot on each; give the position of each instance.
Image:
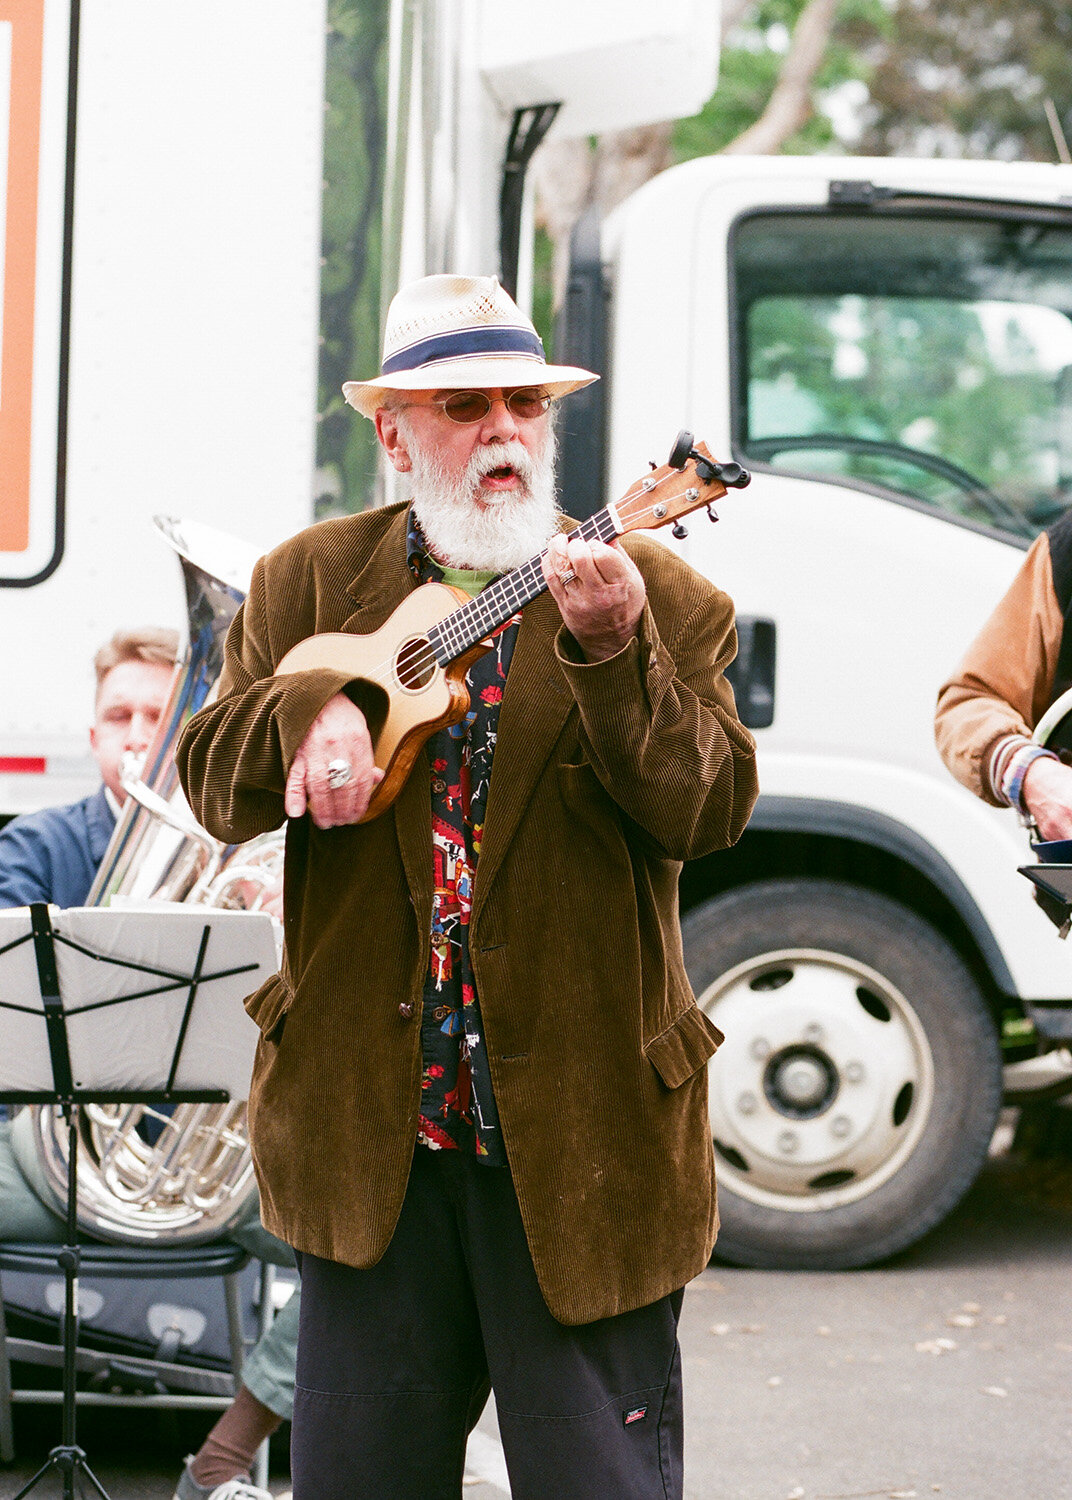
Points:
(479, 1103)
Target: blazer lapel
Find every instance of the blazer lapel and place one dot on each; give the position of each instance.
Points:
(382, 582)
(535, 705)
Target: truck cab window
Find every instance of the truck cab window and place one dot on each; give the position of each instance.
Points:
(925, 356)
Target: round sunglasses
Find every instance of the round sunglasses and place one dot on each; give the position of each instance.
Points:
(465, 407)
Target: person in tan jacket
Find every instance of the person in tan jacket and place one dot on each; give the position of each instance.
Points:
(1018, 664)
(479, 1109)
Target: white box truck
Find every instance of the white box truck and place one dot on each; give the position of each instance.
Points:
(887, 346)
(160, 178)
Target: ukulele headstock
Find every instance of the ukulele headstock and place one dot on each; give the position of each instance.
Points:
(690, 479)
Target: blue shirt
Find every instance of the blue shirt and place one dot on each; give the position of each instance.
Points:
(53, 855)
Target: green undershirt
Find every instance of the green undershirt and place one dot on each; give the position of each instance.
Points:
(467, 578)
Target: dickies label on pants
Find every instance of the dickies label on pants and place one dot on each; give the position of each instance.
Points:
(634, 1414)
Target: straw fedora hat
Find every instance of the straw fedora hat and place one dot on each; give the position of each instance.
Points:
(461, 333)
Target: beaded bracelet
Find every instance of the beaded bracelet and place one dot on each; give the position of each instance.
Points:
(1012, 782)
(1000, 756)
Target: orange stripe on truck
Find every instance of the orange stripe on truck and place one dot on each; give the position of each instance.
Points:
(26, 18)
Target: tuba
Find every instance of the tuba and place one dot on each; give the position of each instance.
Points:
(145, 1175)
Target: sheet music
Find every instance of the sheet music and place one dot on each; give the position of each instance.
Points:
(131, 1045)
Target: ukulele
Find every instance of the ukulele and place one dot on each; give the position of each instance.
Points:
(420, 655)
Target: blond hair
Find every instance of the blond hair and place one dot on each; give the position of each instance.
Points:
(152, 643)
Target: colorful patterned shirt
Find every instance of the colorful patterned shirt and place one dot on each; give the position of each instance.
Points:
(458, 1106)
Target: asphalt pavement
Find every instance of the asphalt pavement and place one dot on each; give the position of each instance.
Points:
(946, 1373)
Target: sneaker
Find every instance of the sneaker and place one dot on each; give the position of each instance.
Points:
(239, 1489)
(232, 1489)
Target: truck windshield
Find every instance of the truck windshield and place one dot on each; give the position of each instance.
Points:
(925, 355)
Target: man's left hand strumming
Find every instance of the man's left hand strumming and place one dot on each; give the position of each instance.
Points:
(599, 591)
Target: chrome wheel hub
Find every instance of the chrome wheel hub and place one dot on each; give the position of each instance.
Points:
(824, 1083)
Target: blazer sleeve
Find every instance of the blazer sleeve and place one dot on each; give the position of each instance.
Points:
(234, 755)
(1003, 684)
(658, 720)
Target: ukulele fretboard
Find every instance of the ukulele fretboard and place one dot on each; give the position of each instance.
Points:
(501, 600)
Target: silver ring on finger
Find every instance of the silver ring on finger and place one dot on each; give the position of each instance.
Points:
(566, 578)
(339, 773)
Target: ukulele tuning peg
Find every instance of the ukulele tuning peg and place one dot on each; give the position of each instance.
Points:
(681, 452)
(712, 513)
(733, 476)
(652, 464)
(678, 530)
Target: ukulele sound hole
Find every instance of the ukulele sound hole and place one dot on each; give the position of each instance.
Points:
(415, 664)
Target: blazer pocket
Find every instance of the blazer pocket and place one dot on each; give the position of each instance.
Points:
(268, 1006)
(684, 1047)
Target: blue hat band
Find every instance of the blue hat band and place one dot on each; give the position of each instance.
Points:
(467, 343)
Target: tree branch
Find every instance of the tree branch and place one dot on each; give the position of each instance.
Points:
(732, 11)
(790, 104)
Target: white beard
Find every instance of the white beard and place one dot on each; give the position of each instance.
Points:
(508, 528)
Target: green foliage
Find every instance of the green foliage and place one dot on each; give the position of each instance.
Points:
(970, 77)
(354, 150)
(750, 66)
(542, 291)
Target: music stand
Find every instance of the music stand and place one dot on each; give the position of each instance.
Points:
(1053, 892)
(186, 1040)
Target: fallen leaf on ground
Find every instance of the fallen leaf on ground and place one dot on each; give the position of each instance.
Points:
(935, 1346)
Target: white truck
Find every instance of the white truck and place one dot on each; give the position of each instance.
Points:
(159, 327)
(885, 344)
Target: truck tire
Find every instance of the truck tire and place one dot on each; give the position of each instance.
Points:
(855, 1096)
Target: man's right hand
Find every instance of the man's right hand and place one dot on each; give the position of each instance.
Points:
(1047, 795)
(339, 732)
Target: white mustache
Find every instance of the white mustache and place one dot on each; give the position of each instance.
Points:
(512, 455)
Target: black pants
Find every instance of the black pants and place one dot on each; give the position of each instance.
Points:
(395, 1363)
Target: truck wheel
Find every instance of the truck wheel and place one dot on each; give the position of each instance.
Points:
(857, 1091)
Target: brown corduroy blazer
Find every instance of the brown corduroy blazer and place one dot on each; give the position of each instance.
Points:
(606, 777)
